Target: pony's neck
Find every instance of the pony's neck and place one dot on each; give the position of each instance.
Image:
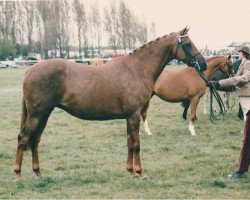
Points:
(153, 56)
(212, 66)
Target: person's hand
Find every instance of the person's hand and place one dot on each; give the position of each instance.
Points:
(215, 84)
(229, 89)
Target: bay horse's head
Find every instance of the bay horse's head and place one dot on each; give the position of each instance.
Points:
(185, 50)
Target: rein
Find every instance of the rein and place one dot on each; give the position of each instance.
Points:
(214, 93)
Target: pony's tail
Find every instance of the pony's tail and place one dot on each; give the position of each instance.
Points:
(185, 104)
(23, 120)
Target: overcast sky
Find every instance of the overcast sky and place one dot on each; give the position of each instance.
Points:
(214, 23)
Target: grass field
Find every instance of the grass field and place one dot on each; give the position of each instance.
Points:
(87, 159)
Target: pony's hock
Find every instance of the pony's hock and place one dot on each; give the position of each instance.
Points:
(119, 89)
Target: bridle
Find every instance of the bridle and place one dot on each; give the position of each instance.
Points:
(190, 57)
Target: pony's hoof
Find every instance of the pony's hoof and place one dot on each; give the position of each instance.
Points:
(18, 173)
(18, 177)
(144, 177)
(133, 173)
(134, 176)
(37, 172)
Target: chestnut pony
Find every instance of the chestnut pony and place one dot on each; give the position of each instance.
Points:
(119, 89)
(186, 84)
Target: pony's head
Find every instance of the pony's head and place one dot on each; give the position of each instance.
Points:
(185, 50)
(227, 67)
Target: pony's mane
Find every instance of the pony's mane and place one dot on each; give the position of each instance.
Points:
(148, 44)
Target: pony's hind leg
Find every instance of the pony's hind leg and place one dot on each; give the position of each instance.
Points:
(34, 145)
(27, 139)
(27, 130)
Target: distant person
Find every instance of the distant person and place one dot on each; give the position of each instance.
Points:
(241, 81)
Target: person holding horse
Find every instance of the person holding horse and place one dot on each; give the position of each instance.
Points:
(241, 82)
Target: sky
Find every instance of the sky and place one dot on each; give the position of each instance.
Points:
(213, 23)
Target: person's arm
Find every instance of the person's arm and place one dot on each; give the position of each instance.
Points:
(236, 80)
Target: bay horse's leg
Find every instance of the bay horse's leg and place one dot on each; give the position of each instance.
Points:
(194, 103)
(185, 104)
(205, 102)
(134, 160)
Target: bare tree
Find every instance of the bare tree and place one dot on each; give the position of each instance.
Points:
(127, 26)
(152, 30)
(123, 21)
(82, 26)
(59, 25)
(30, 19)
(7, 20)
(95, 28)
(112, 26)
(142, 32)
(43, 19)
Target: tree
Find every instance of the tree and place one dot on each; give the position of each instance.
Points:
(30, 19)
(112, 26)
(95, 28)
(152, 30)
(81, 23)
(142, 32)
(7, 49)
(43, 21)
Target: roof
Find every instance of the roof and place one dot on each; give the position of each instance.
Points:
(239, 44)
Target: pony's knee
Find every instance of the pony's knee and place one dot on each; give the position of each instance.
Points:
(136, 149)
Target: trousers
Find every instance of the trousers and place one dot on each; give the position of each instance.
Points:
(245, 105)
(244, 158)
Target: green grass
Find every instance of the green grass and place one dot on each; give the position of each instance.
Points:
(87, 159)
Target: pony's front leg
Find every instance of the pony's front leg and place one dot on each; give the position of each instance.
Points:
(134, 160)
(194, 103)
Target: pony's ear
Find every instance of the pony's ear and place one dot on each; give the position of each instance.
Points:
(184, 31)
(229, 57)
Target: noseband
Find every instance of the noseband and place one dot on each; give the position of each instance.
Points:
(190, 57)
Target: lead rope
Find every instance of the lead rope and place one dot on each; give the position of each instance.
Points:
(214, 115)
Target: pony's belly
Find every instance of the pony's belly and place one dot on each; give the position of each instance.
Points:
(173, 97)
(94, 113)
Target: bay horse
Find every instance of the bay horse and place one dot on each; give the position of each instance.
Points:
(119, 89)
(186, 84)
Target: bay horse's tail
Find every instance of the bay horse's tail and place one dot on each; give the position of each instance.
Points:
(185, 104)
